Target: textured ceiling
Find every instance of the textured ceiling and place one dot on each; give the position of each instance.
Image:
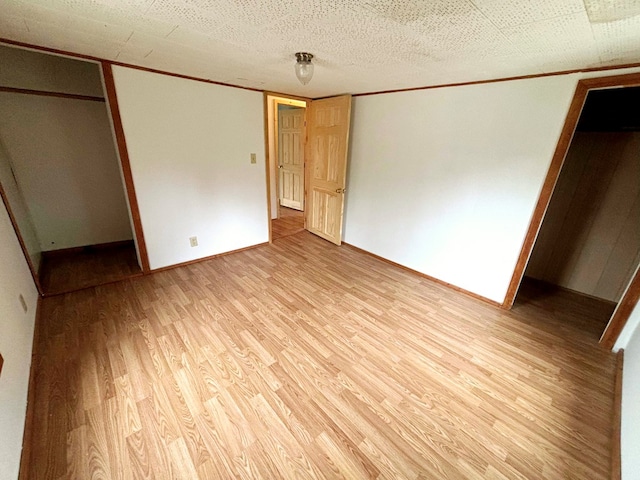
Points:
(359, 45)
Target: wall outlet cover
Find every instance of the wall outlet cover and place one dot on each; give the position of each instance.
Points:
(193, 241)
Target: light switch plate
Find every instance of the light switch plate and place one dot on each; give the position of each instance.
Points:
(253, 158)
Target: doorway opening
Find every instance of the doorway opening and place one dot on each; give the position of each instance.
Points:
(286, 120)
(325, 150)
(60, 175)
(587, 250)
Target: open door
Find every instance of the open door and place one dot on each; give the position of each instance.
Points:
(327, 148)
(291, 157)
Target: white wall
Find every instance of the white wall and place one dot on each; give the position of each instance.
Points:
(66, 165)
(630, 429)
(445, 181)
(632, 322)
(16, 338)
(19, 208)
(189, 145)
(39, 71)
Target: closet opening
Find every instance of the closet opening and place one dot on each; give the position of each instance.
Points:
(586, 255)
(60, 175)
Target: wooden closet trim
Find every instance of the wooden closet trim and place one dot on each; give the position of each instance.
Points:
(23, 245)
(622, 313)
(110, 88)
(616, 448)
(27, 438)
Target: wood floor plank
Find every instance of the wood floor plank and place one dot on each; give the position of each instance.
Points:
(301, 359)
(97, 454)
(290, 222)
(74, 269)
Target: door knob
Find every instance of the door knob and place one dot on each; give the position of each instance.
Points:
(279, 166)
(341, 190)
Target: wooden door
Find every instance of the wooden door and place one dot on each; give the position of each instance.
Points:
(328, 123)
(291, 157)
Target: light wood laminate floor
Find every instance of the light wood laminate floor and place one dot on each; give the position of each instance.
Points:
(289, 222)
(63, 272)
(305, 360)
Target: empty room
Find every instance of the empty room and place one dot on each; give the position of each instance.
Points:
(307, 239)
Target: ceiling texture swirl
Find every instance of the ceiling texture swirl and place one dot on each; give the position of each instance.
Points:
(358, 46)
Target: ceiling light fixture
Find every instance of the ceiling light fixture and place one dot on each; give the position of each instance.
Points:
(304, 67)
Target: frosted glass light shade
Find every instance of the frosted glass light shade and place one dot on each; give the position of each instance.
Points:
(304, 67)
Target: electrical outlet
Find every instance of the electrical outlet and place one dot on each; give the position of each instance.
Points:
(23, 303)
(253, 158)
(193, 241)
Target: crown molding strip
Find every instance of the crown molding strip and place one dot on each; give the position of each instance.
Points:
(92, 58)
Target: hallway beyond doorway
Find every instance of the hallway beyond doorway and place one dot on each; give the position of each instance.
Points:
(289, 222)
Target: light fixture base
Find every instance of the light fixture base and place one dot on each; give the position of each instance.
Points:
(304, 67)
(304, 57)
